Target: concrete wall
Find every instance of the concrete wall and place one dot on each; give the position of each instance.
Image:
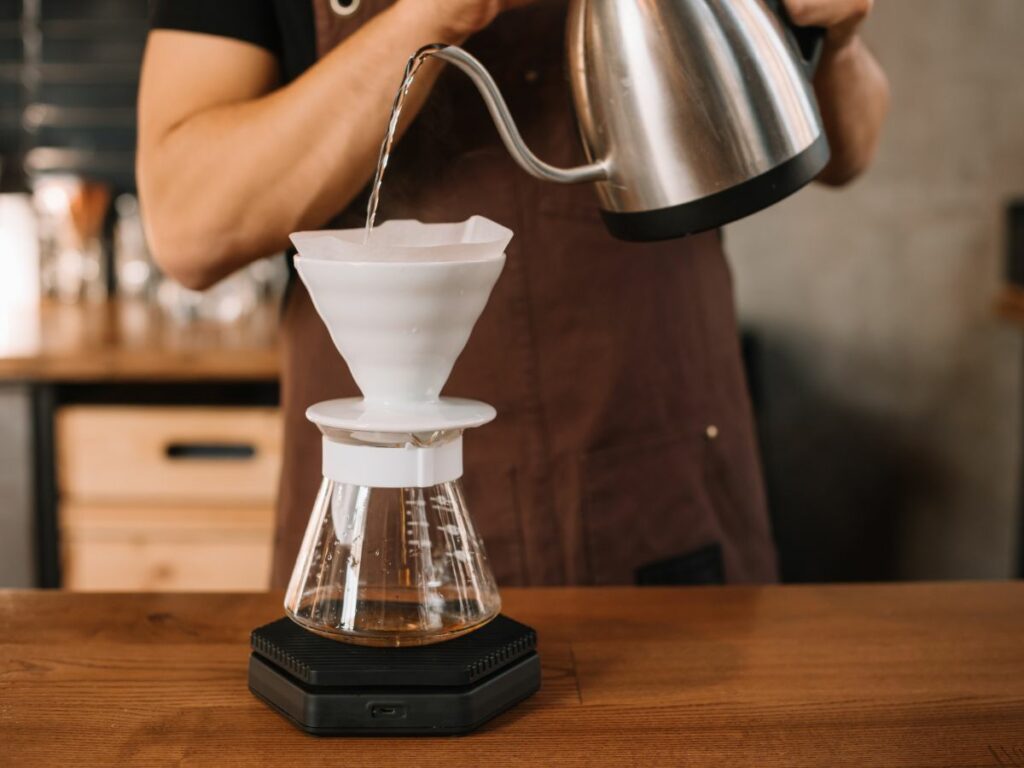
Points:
(17, 542)
(891, 417)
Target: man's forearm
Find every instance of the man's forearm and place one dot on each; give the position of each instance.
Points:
(853, 93)
(226, 184)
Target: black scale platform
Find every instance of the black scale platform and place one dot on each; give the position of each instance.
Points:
(331, 688)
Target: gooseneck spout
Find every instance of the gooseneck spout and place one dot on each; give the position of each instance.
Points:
(529, 162)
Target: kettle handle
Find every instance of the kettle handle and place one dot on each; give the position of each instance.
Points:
(809, 41)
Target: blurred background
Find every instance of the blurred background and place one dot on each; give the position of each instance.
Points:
(139, 437)
(887, 337)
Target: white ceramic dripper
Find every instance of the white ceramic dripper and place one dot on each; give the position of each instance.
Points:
(400, 308)
(390, 556)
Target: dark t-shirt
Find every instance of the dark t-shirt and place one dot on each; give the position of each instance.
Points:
(283, 27)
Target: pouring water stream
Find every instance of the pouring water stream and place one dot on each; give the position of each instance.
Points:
(411, 68)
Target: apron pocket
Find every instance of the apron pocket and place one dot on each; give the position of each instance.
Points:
(698, 568)
(493, 501)
(646, 505)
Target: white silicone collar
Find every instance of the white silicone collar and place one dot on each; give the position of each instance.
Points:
(380, 467)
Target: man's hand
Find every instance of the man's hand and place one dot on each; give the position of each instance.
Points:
(842, 18)
(465, 17)
(852, 89)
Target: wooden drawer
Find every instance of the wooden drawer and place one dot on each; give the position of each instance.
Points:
(168, 455)
(110, 548)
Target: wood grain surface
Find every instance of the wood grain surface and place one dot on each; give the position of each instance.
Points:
(132, 341)
(897, 675)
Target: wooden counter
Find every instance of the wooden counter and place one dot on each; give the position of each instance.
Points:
(902, 675)
(131, 341)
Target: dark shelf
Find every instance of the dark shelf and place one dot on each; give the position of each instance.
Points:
(94, 9)
(68, 98)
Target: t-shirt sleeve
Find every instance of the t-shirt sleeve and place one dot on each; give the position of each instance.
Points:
(252, 21)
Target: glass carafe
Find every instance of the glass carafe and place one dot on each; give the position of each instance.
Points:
(390, 556)
(392, 566)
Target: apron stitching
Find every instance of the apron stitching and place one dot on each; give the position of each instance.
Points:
(528, 346)
(712, 460)
(705, 343)
(586, 502)
(517, 509)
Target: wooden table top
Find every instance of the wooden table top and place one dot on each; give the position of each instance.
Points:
(897, 675)
(133, 340)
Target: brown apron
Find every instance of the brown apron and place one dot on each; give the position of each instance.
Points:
(624, 445)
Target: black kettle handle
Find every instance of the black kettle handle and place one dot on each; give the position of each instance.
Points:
(809, 41)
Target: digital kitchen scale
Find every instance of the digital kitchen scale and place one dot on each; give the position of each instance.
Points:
(330, 688)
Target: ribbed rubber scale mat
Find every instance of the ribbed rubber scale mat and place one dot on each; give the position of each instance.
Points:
(318, 661)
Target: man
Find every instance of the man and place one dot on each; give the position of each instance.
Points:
(624, 448)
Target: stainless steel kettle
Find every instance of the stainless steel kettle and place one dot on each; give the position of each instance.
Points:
(693, 113)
